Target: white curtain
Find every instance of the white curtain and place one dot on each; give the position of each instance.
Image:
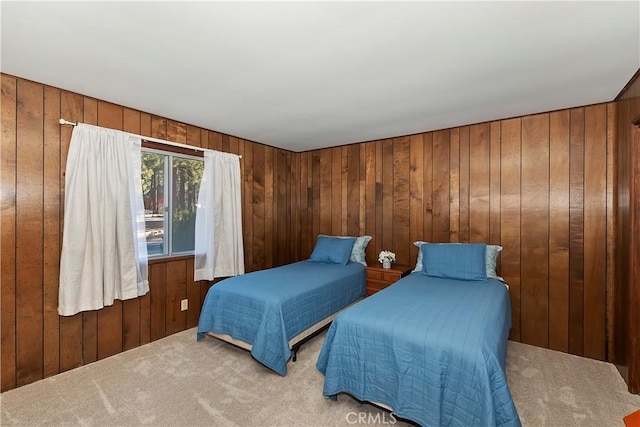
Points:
(104, 252)
(219, 250)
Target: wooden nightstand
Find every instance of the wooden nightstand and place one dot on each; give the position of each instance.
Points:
(379, 278)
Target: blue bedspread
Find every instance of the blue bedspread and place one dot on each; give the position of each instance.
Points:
(432, 349)
(269, 307)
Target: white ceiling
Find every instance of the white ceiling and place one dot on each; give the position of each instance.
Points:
(305, 75)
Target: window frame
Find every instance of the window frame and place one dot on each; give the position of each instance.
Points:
(170, 152)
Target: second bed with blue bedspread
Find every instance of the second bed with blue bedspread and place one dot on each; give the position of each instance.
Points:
(432, 349)
(267, 308)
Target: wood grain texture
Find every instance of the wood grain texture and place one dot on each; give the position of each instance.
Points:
(510, 225)
(29, 232)
(8, 258)
(534, 235)
(624, 292)
(397, 190)
(454, 185)
(109, 319)
(71, 337)
(176, 291)
(576, 232)
(51, 236)
(464, 217)
(440, 189)
(595, 230)
(559, 231)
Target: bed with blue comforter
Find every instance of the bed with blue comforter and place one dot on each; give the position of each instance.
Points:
(268, 308)
(432, 349)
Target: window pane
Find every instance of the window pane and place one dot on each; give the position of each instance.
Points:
(187, 174)
(153, 167)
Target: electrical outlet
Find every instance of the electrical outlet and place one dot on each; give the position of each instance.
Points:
(184, 304)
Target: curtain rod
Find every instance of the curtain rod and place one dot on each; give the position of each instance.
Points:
(161, 141)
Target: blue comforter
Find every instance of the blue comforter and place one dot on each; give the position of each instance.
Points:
(269, 307)
(432, 349)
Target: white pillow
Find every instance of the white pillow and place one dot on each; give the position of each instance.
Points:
(491, 259)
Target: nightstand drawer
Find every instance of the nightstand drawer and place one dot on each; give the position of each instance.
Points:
(391, 275)
(374, 275)
(379, 278)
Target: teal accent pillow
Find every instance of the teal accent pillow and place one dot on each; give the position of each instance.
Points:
(491, 260)
(455, 261)
(334, 250)
(358, 253)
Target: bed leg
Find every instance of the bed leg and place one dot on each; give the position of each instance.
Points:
(295, 353)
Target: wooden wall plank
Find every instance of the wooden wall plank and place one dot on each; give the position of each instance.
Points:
(576, 230)
(258, 208)
(510, 216)
(559, 231)
(534, 205)
(336, 166)
(158, 292)
(326, 199)
(145, 300)
(247, 209)
(494, 184)
(8, 259)
(370, 201)
(378, 203)
(440, 192)
(454, 185)
(176, 291)
(479, 182)
(109, 320)
(352, 188)
(400, 230)
(316, 160)
(176, 131)
(611, 230)
(343, 190)
(282, 211)
(595, 230)
(71, 337)
(51, 227)
(270, 220)
(387, 195)
(29, 232)
(131, 308)
(194, 290)
(465, 209)
(427, 190)
(90, 318)
(416, 194)
(306, 199)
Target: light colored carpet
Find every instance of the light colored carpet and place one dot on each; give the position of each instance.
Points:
(177, 381)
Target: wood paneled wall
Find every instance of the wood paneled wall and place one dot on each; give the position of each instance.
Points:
(36, 342)
(626, 294)
(541, 186)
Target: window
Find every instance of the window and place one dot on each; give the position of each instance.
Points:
(170, 185)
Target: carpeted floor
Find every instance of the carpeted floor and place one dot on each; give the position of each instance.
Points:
(177, 381)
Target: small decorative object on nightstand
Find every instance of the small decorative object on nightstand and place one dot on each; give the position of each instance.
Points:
(386, 258)
(379, 278)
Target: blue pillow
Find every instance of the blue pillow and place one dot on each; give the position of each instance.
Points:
(454, 261)
(335, 250)
(359, 248)
(491, 259)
